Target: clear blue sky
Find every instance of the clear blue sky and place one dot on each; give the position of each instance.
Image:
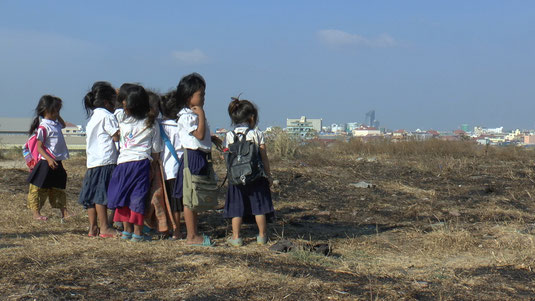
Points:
(419, 64)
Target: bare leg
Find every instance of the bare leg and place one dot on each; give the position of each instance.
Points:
(101, 212)
(110, 216)
(138, 230)
(93, 228)
(262, 225)
(192, 236)
(236, 226)
(176, 230)
(128, 227)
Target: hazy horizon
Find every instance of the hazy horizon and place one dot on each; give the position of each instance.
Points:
(418, 64)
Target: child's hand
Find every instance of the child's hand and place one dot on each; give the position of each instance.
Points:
(198, 110)
(217, 141)
(51, 163)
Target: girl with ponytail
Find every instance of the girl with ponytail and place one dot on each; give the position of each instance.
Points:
(101, 131)
(48, 178)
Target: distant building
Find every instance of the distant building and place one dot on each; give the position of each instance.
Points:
(363, 131)
(338, 128)
(465, 127)
(304, 127)
(72, 129)
(529, 140)
(15, 126)
(351, 126)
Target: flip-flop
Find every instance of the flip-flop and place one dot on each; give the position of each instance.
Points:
(41, 218)
(96, 233)
(205, 242)
(107, 235)
(126, 235)
(140, 238)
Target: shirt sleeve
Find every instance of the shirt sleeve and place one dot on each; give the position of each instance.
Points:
(41, 135)
(111, 126)
(260, 137)
(156, 139)
(228, 138)
(189, 122)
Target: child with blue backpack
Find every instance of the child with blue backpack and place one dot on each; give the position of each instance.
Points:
(248, 195)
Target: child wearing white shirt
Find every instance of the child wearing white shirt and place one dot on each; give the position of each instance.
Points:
(140, 144)
(195, 139)
(102, 131)
(48, 178)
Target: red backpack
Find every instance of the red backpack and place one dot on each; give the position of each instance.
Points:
(29, 151)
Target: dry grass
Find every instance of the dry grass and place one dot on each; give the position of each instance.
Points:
(442, 222)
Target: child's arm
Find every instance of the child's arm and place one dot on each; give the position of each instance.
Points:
(61, 121)
(51, 162)
(265, 161)
(115, 137)
(199, 132)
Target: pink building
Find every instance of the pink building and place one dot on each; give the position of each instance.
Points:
(529, 139)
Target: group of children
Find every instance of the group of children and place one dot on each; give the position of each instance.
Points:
(136, 140)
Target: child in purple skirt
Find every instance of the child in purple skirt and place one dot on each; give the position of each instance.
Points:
(253, 200)
(140, 144)
(195, 139)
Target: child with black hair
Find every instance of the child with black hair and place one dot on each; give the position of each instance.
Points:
(157, 215)
(170, 156)
(140, 144)
(253, 199)
(195, 139)
(48, 178)
(102, 131)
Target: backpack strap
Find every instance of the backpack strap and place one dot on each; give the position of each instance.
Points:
(168, 143)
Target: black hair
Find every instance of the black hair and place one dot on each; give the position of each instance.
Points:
(187, 86)
(137, 104)
(47, 103)
(169, 105)
(241, 111)
(121, 95)
(154, 102)
(102, 95)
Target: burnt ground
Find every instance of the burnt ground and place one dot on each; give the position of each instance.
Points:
(427, 228)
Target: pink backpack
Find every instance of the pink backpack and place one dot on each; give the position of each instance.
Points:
(29, 151)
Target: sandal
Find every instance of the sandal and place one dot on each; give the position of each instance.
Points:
(126, 235)
(140, 238)
(97, 232)
(261, 240)
(205, 242)
(41, 218)
(238, 242)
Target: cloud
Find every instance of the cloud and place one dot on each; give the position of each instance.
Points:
(339, 38)
(194, 56)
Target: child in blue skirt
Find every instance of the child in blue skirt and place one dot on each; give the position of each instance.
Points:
(254, 199)
(140, 144)
(195, 139)
(102, 131)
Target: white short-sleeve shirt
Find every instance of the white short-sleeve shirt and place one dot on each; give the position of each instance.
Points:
(100, 147)
(187, 123)
(54, 140)
(137, 141)
(170, 164)
(254, 135)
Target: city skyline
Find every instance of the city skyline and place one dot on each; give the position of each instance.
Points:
(419, 64)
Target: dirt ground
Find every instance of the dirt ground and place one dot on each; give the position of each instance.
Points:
(426, 228)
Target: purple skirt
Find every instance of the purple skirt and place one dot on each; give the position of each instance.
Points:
(198, 165)
(249, 200)
(130, 185)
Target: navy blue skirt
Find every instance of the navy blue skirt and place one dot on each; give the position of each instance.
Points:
(249, 200)
(95, 186)
(45, 177)
(198, 165)
(130, 185)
